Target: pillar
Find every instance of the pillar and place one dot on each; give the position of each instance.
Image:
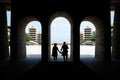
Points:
(4, 50)
(103, 41)
(76, 41)
(18, 42)
(116, 33)
(21, 43)
(45, 41)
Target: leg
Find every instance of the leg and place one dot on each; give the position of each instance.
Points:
(56, 58)
(64, 58)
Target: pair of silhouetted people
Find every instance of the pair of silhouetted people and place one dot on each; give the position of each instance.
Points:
(64, 51)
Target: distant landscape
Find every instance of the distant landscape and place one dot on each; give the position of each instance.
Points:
(84, 49)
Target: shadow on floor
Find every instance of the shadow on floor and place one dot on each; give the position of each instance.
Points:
(33, 69)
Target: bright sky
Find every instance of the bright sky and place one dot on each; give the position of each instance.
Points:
(60, 30)
(112, 16)
(36, 24)
(84, 24)
(60, 27)
(8, 18)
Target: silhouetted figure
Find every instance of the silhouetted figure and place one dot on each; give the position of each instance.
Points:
(64, 50)
(55, 51)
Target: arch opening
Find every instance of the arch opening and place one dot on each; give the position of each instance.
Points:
(60, 32)
(27, 45)
(98, 48)
(87, 39)
(112, 13)
(8, 13)
(33, 39)
(67, 17)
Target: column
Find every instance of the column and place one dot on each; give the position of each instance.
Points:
(76, 41)
(4, 50)
(45, 41)
(116, 33)
(21, 43)
(17, 42)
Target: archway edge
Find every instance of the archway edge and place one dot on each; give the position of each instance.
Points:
(68, 17)
(61, 14)
(21, 44)
(24, 21)
(96, 21)
(100, 38)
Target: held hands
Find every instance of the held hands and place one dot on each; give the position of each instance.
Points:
(60, 52)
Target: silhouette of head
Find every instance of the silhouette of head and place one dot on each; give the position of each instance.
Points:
(64, 43)
(55, 44)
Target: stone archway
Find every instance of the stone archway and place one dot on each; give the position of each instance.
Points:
(87, 39)
(100, 36)
(67, 16)
(21, 42)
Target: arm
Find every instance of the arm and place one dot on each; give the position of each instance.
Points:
(61, 48)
